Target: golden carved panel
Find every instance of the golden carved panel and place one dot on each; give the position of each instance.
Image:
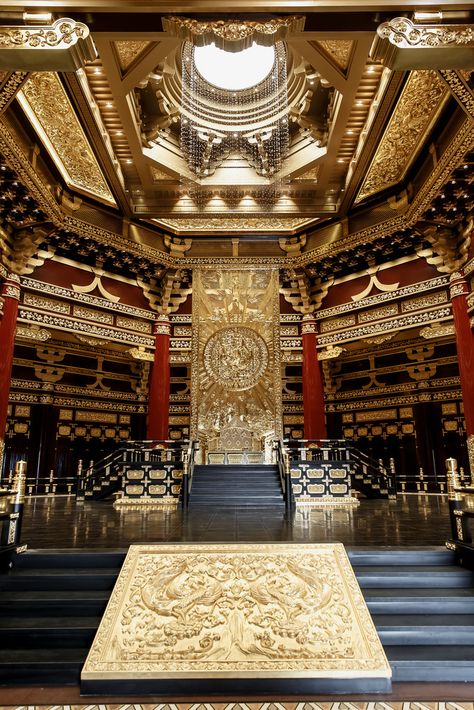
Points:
(228, 610)
(338, 49)
(49, 110)
(421, 100)
(236, 355)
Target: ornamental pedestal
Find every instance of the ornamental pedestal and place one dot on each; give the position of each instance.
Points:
(313, 391)
(10, 293)
(465, 348)
(159, 391)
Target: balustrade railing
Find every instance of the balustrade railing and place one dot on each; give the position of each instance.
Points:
(282, 456)
(189, 458)
(109, 469)
(11, 513)
(374, 474)
(461, 512)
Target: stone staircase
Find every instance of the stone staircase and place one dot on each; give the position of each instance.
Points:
(236, 485)
(421, 601)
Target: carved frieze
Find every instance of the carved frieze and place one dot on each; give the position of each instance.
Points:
(378, 313)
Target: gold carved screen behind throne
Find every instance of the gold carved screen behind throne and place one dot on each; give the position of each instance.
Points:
(236, 381)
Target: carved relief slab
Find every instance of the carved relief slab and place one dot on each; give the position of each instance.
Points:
(236, 611)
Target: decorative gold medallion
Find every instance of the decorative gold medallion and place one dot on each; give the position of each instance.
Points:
(236, 357)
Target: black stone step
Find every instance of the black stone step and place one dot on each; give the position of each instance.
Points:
(402, 556)
(41, 666)
(71, 559)
(435, 663)
(59, 579)
(420, 601)
(415, 576)
(426, 629)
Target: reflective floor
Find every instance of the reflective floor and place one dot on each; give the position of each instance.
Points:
(63, 523)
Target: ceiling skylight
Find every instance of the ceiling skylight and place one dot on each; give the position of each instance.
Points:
(234, 71)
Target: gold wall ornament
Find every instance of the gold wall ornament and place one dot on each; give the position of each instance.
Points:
(402, 44)
(236, 611)
(128, 51)
(140, 353)
(460, 89)
(65, 45)
(236, 357)
(236, 353)
(51, 114)
(339, 50)
(330, 352)
(422, 99)
(10, 85)
(233, 36)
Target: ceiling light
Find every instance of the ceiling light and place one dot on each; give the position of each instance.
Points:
(234, 71)
(427, 16)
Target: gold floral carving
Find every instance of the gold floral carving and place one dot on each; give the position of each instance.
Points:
(32, 332)
(419, 104)
(233, 35)
(330, 352)
(338, 49)
(437, 330)
(128, 51)
(46, 104)
(243, 610)
(236, 357)
(470, 453)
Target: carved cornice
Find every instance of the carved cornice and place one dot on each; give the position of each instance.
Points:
(65, 45)
(402, 44)
(233, 36)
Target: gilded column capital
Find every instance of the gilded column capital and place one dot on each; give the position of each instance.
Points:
(458, 285)
(309, 325)
(162, 325)
(11, 287)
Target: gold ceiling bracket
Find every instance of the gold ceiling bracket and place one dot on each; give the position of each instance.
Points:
(65, 45)
(233, 36)
(401, 44)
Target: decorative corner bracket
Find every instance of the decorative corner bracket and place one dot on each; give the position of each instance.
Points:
(401, 44)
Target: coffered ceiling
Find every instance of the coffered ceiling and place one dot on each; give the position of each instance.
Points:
(359, 131)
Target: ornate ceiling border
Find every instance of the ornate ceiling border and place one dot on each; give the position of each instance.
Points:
(232, 35)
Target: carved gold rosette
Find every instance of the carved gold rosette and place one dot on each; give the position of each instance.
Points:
(236, 356)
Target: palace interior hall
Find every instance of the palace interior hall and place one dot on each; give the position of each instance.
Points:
(237, 354)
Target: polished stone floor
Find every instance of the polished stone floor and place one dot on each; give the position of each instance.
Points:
(61, 522)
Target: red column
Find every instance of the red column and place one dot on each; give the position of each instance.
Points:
(313, 390)
(10, 293)
(159, 394)
(465, 347)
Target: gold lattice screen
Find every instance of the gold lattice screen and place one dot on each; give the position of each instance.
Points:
(236, 381)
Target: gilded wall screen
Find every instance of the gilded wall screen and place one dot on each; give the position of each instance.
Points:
(236, 358)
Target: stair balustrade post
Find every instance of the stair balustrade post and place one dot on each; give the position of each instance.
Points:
(459, 524)
(288, 501)
(393, 477)
(17, 502)
(79, 479)
(185, 481)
